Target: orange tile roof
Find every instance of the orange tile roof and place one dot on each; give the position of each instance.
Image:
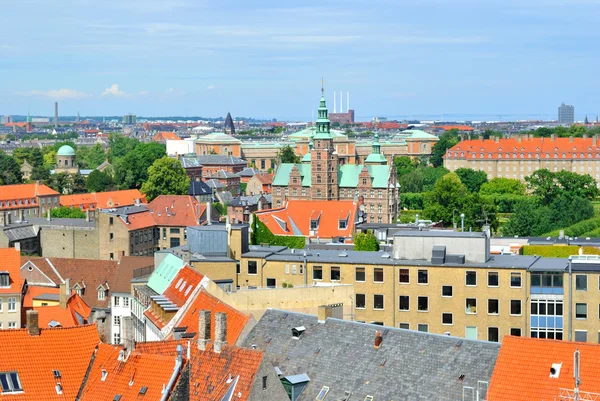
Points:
(456, 127)
(532, 148)
(137, 221)
(176, 210)
(47, 314)
(126, 378)
(35, 291)
(10, 261)
(265, 179)
(236, 320)
(103, 200)
(164, 136)
(298, 213)
(522, 370)
(68, 350)
(24, 191)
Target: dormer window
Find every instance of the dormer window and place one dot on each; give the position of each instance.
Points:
(4, 279)
(342, 224)
(314, 224)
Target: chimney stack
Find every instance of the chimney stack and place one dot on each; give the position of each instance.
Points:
(571, 138)
(2, 219)
(378, 339)
(203, 329)
(127, 333)
(220, 331)
(553, 137)
(87, 215)
(21, 215)
(32, 323)
(55, 114)
(49, 215)
(65, 291)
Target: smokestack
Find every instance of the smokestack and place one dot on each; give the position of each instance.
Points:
(33, 327)
(334, 109)
(341, 101)
(347, 101)
(65, 291)
(55, 114)
(87, 215)
(220, 331)
(203, 329)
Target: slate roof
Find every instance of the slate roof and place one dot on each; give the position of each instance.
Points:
(220, 160)
(199, 188)
(214, 184)
(252, 200)
(68, 350)
(190, 162)
(522, 370)
(409, 365)
(223, 174)
(248, 172)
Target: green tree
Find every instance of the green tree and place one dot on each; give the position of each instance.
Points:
(405, 165)
(529, 218)
(431, 175)
(119, 146)
(549, 185)
(90, 157)
(10, 171)
(166, 176)
(59, 182)
(99, 181)
(288, 155)
(131, 170)
(447, 140)
(502, 186)
(67, 212)
(473, 179)
(50, 158)
(366, 242)
(40, 173)
(541, 184)
(412, 181)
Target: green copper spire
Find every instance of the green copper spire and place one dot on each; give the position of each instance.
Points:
(323, 124)
(376, 157)
(28, 117)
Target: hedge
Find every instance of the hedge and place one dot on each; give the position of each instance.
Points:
(582, 229)
(550, 251)
(411, 201)
(262, 235)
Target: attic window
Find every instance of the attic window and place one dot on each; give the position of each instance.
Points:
(10, 382)
(369, 398)
(555, 370)
(143, 390)
(4, 279)
(188, 290)
(59, 389)
(314, 224)
(56, 374)
(117, 397)
(104, 375)
(322, 394)
(342, 224)
(298, 331)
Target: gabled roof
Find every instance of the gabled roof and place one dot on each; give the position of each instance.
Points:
(347, 175)
(214, 184)
(220, 160)
(103, 200)
(264, 179)
(523, 369)
(127, 378)
(76, 313)
(164, 273)
(138, 221)
(24, 191)
(176, 210)
(248, 172)
(199, 188)
(224, 174)
(34, 358)
(340, 354)
(295, 216)
(251, 200)
(164, 136)
(10, 262)
(218, 137)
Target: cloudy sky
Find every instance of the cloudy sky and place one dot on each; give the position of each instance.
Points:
(265, 58)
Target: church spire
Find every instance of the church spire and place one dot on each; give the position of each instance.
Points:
(323, 124)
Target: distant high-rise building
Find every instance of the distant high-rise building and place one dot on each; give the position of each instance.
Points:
(129, 119)
(229, 128)
(566, 114)
(6, 119)
(55, 114)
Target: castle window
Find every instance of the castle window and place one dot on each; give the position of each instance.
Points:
(318, 179)
(364, 181)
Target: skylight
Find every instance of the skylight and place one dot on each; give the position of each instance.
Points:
(10, 382)
(323, 393)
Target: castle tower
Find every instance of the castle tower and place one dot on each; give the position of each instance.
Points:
(376, 157)
(324, 158)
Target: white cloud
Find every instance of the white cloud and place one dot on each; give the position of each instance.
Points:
(113, 91)
(58, 94)
(211, 87)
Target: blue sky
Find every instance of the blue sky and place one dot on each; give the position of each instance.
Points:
(488, 58)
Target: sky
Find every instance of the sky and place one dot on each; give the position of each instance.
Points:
(428, 59)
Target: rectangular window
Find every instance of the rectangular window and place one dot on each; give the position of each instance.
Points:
(174, 242)
(126, 302)
(252, 267)
(493, 307)
(317, 273)
(10, 382)
(422, 277)
(110, 219)
(287, 269)
(264, 382)
(360, 275)
(515, 307)
(117, 320)
(378, 275)
(4, 280)
(111, 236)
(174, 231)
(423, 327)
(471, 278)
(116, 301)
(406, 326)
(515, 332)
(515, 280)
(335, 273)
(493, 279)
(271, 283)
(581, 282)
(12, 325)
(12, 304)
(422, 304)
(378, 301)
(116, 338)
(447, 319)
(446, 290)
(361, 301)
(493, 334)
(580, 311)
(471, 306)
(404, 303)
(403, 276)
(581, 336)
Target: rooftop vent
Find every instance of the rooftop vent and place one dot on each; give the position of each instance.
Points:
(378, 339)
(385, 255)
(555, 370)
(59, 389)
(343, 254)
(278, 371)
(56, 374)
(461, 378)
(298, 331)
(117, 397)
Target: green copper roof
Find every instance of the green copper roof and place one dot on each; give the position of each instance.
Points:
(307, 157)
(282, 175)
(418, 134)
(166, 271)
(347, 175)
(309, 133)
(65, 150)
(376, 158)
(218, 137)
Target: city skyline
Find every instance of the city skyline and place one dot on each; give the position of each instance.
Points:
(151, 58)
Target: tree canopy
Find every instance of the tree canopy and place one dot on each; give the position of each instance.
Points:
(548, 185)
(446, 141)
(502, 186)
(166, 176)
(366, 242)
(10, 171)
(287, 155)
(132, 169)
(99, 181)
(473, 179)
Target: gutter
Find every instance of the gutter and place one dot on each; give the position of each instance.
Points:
(176, 370)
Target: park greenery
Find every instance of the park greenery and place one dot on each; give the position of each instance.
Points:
(366, 242)
(166, 176)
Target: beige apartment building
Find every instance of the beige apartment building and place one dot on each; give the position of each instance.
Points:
(520, 156)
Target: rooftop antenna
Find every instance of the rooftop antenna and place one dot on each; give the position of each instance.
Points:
(322, 88)
(576, 366)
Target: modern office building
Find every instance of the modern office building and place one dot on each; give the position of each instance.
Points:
(566, 114)
(129, 119)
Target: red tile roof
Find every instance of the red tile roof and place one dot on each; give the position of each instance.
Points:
(68, 350)
(24, 191)
(265, 179)
(103, 200)
(522, 370)
(163, 136)
(298, 213)
(10, 261)
(456, 127)
(138, 221)
(533, 148)
(126, 378)
(34, 291)
(176, 210)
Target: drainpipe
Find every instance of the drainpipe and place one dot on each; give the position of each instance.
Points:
(305, 271)
(570, 335)
(178, 364)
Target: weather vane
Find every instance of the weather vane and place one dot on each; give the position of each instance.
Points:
(322, 87)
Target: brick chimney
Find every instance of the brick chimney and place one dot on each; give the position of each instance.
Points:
(378, 339)
(127, 333)
(571, 138)
(65, 291)
(32, 322)
(203, 329)
(220, 331)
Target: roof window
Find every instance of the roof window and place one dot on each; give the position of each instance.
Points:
(143, 390)
(104, 375)
(58, 388)
(322, 394)
(117, 397)
(10, 382)
(369, 398)
(56, 374)
(298, 331)
(555, 370)
(4, 279)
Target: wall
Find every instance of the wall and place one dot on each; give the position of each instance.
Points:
(13, 316)
(472, 245)
(70, 242)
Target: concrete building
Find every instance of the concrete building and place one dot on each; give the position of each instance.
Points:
(566, 114)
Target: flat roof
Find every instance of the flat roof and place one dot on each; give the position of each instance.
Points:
(439, 233)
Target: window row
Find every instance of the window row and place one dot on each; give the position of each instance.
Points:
(470, 331)
(493, 305)
(11, 304)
